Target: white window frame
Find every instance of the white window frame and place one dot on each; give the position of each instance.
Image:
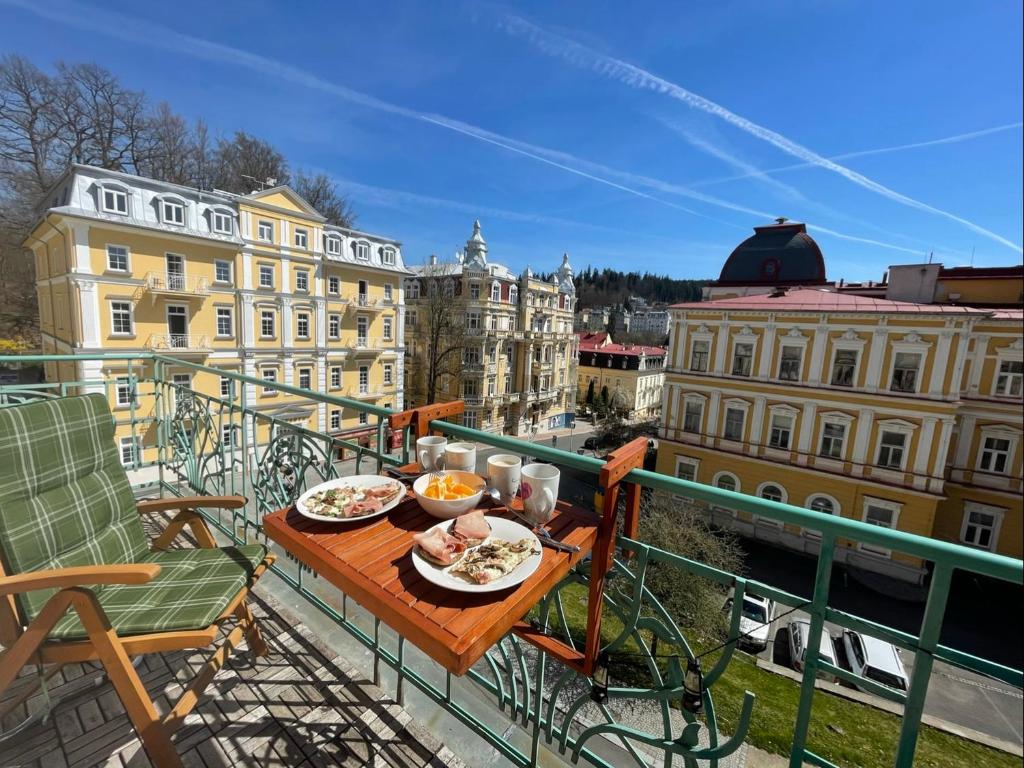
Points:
(783, 499)
(332, 245)
(304, 372)
(495, 291)
(687, 461)
(272, 377)
(389, 374)
(413, 289)
(897, 426)
(261, 226)
(998, 432)
(334, 326)
(218, 314)
(131, 318)
(220, 214)
(335, 419)
(364, 418)
(513, 294)
(125, 385)
(231, 271)
(131, 442)
(304, 274)
(303, 317)
(801, 349)
(336, 376)
(333, 285)
(388, 256)
(833, 418)
(846, 343)
(361, 250)
(997, 514)
(225, 391)
(745, 339)
(301, 238)
(127, 259)
(118, 192)
(389, 292)
(781, 409)
(696, 338)
(1008, 355)
(272, 314)
(474, 290)
(700, 400)
(837, 511)
(261, 270)
(169, 205)
(892, 506)
(911, 344)
(388, 325)
(364, 379)
(719, 476)
(735, 404)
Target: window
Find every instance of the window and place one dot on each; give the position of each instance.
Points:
(388, 256)
(880, 513)
(301, 238)
(225, 322)
(734, 418)
(225, 386)
(125, 392)
(727, 482)
(172, 212)
(843, 367)
(742, 359)
(302, 325)
(474, 291)
(117, 258)
(182, 389)
(129, 451)
(981, 525)
(389, 374)
(1008, 382)
(332, 245)
(389, 292)
(301, 280)
(413, 288)
(333, 326)
(832, 439)
(513, 295)
(364, 418)
(362, 326)
(772, 493)
(891, 450)
(265, 231)
(335, 377)
(305, 378)
(686, 469)
(115, 201)
(223, 223)
(822, 504)
(495, 292)
(995, 455)
(388, 322)
(790, 363)
(362, 251)
(780, 431)
(267, 324)
(121, 318)
(227, 436)
(364, 379)
(692, 416)
(472, 320)
(222, 271)
(269, 375)
(266, 276)
(904, 372)
(699, 355)
(335, 418)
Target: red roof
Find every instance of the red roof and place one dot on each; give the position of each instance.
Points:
(809, 300)
(592, 339)
(634, 350)
(1008, 314)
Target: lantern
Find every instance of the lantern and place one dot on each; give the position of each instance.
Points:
(599, 679)
(693, 687)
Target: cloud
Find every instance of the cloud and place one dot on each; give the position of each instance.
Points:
(633, 76)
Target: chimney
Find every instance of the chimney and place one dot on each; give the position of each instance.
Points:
(433, 260)
(778, 293)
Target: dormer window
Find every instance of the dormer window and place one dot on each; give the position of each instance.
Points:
(222, 222)
(172, 212)
(332, 244)
(495, 292)
(114, 200)
(362, 250)
(388, 256)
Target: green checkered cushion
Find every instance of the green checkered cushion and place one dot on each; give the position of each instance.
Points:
(190, 592)
(65, 501)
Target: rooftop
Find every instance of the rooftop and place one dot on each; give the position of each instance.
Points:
(811, 300)
(777, 254)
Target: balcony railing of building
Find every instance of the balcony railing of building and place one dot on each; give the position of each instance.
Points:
(206, 444)
(174, 283)
(178, 342)
(362, 301)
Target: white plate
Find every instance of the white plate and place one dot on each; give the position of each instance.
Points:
(356, 481)
(500, 529)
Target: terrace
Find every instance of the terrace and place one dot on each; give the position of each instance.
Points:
(597, 672)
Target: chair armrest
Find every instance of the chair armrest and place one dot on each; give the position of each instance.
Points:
(190, 502)
(78, 576)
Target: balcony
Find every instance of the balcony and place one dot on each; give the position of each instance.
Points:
(530, 700)
(179, 286)
(178, 343)
(360, 302)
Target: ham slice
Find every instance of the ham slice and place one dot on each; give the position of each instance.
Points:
(472, 528)
(439, 547)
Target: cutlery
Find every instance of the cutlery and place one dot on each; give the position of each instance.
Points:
(542, 534)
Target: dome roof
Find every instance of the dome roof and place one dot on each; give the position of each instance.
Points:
(777, 254)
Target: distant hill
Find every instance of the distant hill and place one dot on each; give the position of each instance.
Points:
(610, 286)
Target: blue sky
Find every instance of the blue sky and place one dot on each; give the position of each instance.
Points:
(639, 136)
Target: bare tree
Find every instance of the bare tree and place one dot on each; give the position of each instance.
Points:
(244, 161)
(168, 150)
(30, 125)
(439, 334)
(322, 193)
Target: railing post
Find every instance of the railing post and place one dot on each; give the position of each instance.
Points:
(928, 641)
(817, 608)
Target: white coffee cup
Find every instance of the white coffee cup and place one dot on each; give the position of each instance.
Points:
(539, 491)
(460, 456)
(504, 472)
(430, 451)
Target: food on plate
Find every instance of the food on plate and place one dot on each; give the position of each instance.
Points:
(472, 528)
(447, 488)
(493, 560)
(348, 501)
(438, 547)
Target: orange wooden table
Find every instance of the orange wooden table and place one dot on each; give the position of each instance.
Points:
(371, 562)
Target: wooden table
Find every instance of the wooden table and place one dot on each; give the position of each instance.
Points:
(371, 562)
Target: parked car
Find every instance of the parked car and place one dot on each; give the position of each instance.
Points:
(755, 623)
(875, 660)
(799, 632)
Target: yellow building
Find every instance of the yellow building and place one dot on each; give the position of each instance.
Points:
(901, 414)
(629, 376)
(257, 284)
(517, 374)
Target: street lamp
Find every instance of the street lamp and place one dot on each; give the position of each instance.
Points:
(693, 687)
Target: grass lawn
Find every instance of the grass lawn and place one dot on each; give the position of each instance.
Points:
(842, 731)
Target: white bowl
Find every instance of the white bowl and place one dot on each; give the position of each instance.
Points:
(446, 510)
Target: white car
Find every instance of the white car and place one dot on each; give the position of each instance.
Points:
(875, 660)
(756, 621)
(799, 632)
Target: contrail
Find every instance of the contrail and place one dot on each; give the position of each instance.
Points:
(864, 153)
(635, 77)
(158, 36)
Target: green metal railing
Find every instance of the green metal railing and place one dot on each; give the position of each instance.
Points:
(234, 444)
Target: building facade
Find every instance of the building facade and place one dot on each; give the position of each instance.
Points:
(518, 369)
(655, 321)
(628, 377)
(592, 319)
(257, 284)
(901, 414)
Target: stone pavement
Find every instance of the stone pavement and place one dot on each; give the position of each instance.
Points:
(297, 707)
